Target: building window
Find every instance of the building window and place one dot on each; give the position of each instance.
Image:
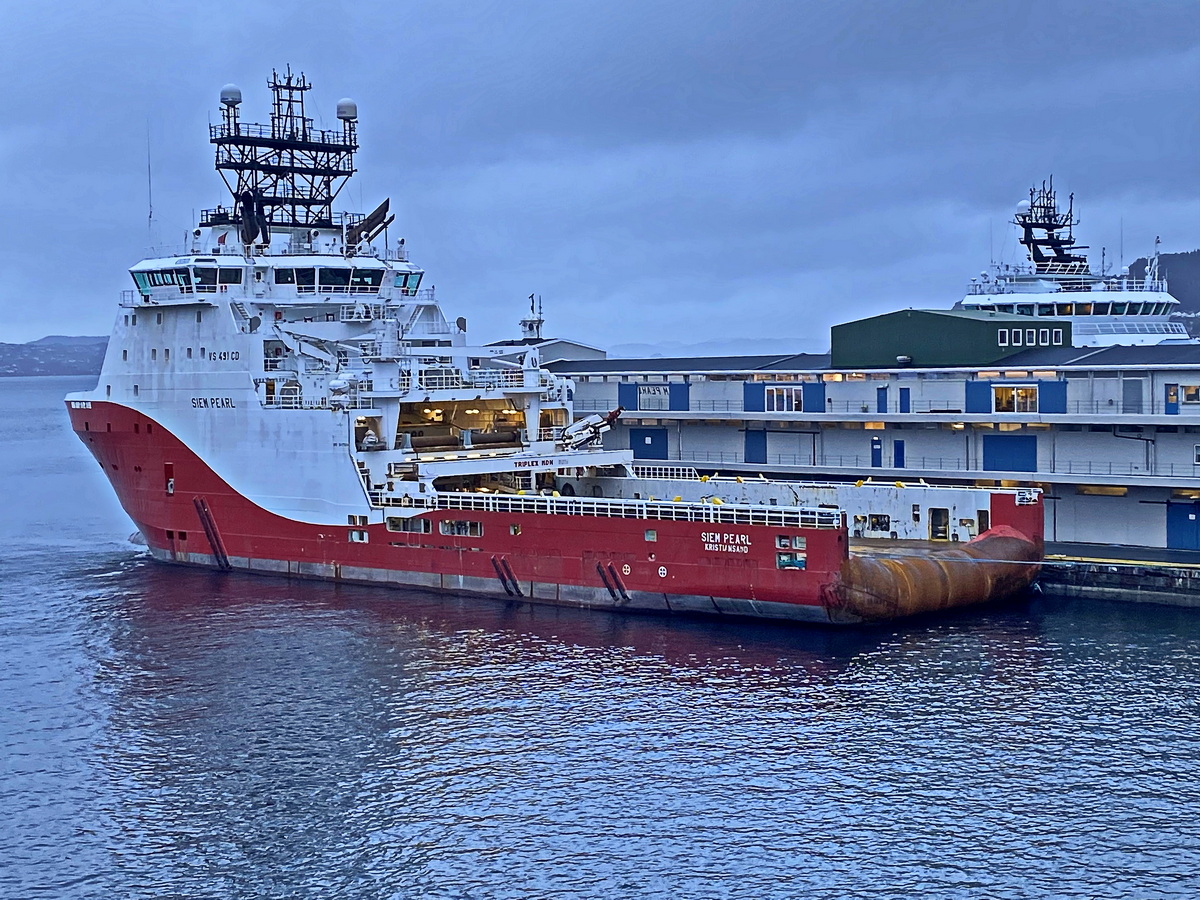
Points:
(1190, 393)
(1002, 337)
(1015, 398)
(154, 354)
(1058, 337)
(124, 356)
(1044, 336)
(158, 318)
(189, 352)
(785, 399)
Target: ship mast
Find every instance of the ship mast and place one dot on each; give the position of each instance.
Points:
(1040, 222)
(284, 175)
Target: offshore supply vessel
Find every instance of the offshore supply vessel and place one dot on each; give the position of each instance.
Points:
(285, 395)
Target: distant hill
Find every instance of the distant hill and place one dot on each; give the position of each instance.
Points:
(54, 355)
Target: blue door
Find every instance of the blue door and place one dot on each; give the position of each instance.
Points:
(876, 452)
(648, 443)
(880, 399)
(1010, 453)
(905, 401)
(1171, 399)
(898, 454)
(1183, 526)
(756, 446)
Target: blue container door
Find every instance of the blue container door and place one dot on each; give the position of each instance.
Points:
(905, 400)
(898, 454)
(648, 443)
(756, 446)
(1171, 399)
(876, 452)
(1010, 453)
(880, 399)
(1183, 526)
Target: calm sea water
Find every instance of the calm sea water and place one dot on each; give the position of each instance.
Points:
(175, 733)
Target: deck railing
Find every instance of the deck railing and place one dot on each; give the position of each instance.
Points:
(716, 514)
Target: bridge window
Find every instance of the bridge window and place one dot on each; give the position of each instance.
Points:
(180, 278)
(409, 281)
(1135, 309)
(366, 280)
(1083, 309)
(333, 280)
(285, 276)
(229, 276)
(1066, 309)
(1101, 309)
(1045, 309)
(206, 281)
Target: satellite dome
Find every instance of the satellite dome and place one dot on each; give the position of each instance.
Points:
(231, 95)
(347, 110)
(1023, 206)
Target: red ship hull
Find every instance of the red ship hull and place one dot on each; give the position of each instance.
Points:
(573, 560)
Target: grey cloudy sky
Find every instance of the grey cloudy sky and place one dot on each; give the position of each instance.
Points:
(659, 170)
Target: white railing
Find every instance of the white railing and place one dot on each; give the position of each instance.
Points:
(549, 434)
(674, 473)
(723, 514)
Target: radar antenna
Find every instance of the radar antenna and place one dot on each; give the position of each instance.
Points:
(1040, 224)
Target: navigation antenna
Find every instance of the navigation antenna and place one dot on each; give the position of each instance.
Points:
(531, 327)
(284, 175)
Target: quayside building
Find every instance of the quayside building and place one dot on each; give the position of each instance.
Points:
(965, 396)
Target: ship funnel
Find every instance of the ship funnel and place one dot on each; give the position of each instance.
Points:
(231, 95)
(347, 110)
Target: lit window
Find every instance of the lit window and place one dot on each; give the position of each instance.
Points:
(1015, 398)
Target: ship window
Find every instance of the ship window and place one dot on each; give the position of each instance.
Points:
(108, 390)
(1066, 309)
(1002, 337)
(333, 279)
(1058, 337)
(1083, 309)
(1024, 309)
(651, 534)
(358, 537)
(306, 280)
(133, 319)
(124, 356)
(1118, 309)
(166, 354)
(790, 560)
(229, 276)
(199, 315)
(1045, 309)
(154, 354)
(878, 522)
(1044, 336)
(158, 318)
(1004, 307)
(514, 530)
(365, 280)
(206, 281)
(135, 390)
(1017, 340)
(1100, 309)
(461, 527)
(1015, 398)
(1030, 337)
(799, 543)
(285, 276)
(412, 526)
(1135, 309)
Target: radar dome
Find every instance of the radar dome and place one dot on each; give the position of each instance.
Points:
(1023, 206)
(347, 110)
(231, 95)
